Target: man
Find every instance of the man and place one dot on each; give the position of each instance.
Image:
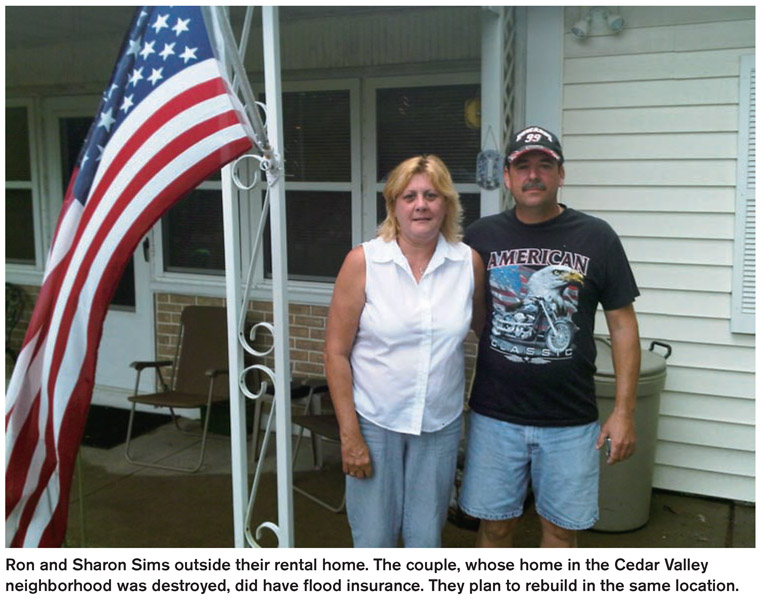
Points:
(534, 418)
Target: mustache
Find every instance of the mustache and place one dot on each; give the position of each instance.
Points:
(534, 185)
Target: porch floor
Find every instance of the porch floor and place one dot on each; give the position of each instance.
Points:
(116, 504)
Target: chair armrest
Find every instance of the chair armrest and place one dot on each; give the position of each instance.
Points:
(317, 385)
(213, 372)
(157, 364)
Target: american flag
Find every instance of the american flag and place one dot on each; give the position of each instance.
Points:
(167, 120)
(509, 285)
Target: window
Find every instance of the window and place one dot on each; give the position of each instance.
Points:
(21, 220)
(429, 120)
(192, 232)
(318, 151)
(327, 210)
(744, 264)
(318, 178)
(319, 234)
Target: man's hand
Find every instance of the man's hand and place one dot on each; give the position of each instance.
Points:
(623, 438)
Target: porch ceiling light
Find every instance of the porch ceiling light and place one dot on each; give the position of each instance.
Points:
(616, 22)
(581, 28)
(600, 21)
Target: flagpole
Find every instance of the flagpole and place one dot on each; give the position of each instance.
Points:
(235, 61)
(272, 65)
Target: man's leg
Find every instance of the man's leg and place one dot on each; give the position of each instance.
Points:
(554, 536)
(495, 480)
(496, 533)
(565, 475)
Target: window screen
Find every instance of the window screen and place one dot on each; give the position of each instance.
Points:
(317, 136)
(318, 234)
(318, 150)
(19, 226)
(17, 167)
(192, 234)
(427, 120)
(19, 207)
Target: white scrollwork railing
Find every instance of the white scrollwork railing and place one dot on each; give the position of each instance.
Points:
(275, 378)
(247, 341)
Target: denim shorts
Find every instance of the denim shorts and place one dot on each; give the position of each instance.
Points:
(408, 494)
(561, 464)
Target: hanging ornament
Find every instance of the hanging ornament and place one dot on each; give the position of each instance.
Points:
(488, 169)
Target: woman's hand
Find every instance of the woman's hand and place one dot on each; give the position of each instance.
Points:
(356, 460)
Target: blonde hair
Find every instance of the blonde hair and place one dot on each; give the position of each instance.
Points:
(398, 180)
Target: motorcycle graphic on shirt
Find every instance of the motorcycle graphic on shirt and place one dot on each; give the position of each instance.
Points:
(532, 311)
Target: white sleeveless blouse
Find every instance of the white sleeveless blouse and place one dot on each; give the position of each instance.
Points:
(408, 355)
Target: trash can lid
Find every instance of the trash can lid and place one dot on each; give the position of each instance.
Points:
(652, 363)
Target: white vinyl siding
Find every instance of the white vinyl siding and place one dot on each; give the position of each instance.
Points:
(650, 131)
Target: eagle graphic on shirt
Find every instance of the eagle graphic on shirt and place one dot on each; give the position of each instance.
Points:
(532, 311)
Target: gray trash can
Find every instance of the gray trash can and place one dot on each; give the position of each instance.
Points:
(626, 488)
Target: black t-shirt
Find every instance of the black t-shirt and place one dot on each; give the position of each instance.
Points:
(543, 284)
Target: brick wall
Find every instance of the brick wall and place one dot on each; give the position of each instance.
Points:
(307, 328)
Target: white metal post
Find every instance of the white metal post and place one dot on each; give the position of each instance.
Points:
(269, 143)
(272, 66)
(231, 229)
(543, 85)
(492, 44)
(232, 246)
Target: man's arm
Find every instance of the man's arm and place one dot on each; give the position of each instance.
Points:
(624, 337)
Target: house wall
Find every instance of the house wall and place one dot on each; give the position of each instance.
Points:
(306, 329)
(650, 119)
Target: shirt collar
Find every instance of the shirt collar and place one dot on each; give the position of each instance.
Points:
(391, 252)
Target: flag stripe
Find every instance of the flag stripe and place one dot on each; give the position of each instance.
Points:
(29, 359)
(43, 462)
(151, 134)
(153, 216)
(26, 447)
(176, 86)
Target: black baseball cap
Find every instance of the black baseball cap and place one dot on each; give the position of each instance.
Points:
(534, 139)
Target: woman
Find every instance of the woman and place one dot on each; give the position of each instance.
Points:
(402, 306)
